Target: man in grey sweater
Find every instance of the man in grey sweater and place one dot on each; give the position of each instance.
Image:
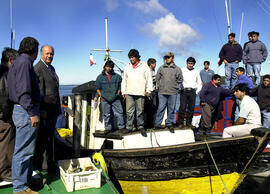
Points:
(254, 54)
(168, 79)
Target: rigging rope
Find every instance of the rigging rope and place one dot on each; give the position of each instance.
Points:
(216, 166)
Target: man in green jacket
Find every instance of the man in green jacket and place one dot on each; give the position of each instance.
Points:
(108, 85)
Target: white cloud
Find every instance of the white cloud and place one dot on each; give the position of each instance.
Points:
(111, 5)
(151, 7)
(172, 34)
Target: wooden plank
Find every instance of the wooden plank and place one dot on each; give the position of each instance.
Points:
(70, 106)
(83, 126)
(77, 126)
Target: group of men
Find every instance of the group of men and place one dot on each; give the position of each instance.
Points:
(29, 106)
(253, 55)
(142, 89)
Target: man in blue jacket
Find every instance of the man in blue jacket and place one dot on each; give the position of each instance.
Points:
(210, 98)
(231, 54)
(108, 85)
(254, 54)
(24, 92)
(242, 79)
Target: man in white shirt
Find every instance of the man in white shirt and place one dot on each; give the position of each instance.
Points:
(249, 115)
(137, 82)
(192, 84)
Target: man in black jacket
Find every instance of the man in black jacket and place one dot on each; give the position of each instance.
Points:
(231, 54)
(49, 108)
(7, 128)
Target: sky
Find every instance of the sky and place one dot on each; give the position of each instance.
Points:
(188, 28)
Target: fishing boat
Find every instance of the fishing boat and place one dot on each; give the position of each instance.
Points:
(161, 162)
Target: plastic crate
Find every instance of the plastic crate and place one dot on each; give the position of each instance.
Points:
(81, 180)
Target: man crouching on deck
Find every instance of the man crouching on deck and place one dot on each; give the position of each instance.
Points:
(249, 115)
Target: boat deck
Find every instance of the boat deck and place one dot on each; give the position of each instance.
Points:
(54, 185)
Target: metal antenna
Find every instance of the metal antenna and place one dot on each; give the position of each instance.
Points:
(107, 50)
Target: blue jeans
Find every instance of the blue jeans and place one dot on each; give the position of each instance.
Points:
(134, 103)
(114, 107)
(26, 135)
(230, 75)
(256, 69)
(165, 101)
(265, 118)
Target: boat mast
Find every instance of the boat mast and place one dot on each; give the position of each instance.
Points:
(107, 49)
(241, 27)
(12, 38)
(228, 20)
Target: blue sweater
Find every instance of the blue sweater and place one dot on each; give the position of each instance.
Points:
(243, 79)
(212, 94)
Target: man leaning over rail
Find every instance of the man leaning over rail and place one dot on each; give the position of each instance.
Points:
(249, 115)
(210, 98)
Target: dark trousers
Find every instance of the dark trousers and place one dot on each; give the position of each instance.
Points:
(187, 104)
(150, 109)
(7, 141)
(207, 119)
(45, 142)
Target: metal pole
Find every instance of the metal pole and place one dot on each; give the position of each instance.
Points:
(106, 31)
(11, 37)
(240, 36)
(228, 20)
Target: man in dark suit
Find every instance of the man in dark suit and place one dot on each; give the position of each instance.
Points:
(49, 108)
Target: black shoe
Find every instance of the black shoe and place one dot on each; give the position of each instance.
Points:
(181, 126)
(159, 127)
(106, 132)
(7, 179)
(143, 132)
(171, 129)
(124, 131)
(190, 126)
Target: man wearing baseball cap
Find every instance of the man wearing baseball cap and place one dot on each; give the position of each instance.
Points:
(168, 79)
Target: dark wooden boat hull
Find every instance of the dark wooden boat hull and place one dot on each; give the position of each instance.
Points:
(188, 160)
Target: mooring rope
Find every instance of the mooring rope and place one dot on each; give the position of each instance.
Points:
(216, 166)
